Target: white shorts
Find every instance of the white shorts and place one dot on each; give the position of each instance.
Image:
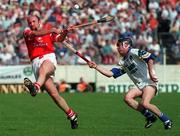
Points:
(147, 83)
(36, 63)
(143, 84)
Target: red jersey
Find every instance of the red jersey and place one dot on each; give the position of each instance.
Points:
(39, 45)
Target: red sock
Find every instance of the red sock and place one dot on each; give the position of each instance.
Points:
(70, 113)
(37, 85)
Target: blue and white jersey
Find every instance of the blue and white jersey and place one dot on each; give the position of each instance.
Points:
(135, 65)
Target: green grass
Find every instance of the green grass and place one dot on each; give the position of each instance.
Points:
(99, 115)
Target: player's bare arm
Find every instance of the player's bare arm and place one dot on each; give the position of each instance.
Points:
(101, 69)
(152, 71)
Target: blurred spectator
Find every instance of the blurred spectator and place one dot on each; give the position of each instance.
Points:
(164, 21)
(153, 5)
(5, 57)
(154, 48)
(175, 49)
(108, 56)
(141, 41)
(175, 27)
(153, 24)
(63, 86)
(83, 86)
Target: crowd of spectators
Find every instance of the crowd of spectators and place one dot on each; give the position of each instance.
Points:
(153, 24)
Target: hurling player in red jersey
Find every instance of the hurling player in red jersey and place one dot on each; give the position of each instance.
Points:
(41, 52)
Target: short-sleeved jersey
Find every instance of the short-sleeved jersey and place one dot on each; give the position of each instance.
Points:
(39, 45)
(135, 65)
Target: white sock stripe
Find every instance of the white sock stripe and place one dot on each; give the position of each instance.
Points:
(166, 121)
(73, 117)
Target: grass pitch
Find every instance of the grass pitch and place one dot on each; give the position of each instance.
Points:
(99, 115)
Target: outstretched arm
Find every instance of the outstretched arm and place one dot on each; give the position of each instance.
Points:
(101, 69)
(30, 33)
(60, 34)
(46, 31)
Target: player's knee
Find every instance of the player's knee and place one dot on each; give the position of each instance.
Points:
(46, 69)
(42, 68)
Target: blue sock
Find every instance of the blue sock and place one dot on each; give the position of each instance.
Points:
(164, 118)
(146, 113)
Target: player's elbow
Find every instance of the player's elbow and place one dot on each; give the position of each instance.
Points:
(150, 62)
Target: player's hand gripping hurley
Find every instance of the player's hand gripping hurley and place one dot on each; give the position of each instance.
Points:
(102, 20)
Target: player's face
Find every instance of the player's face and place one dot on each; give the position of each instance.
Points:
(33, 22)
(122, 47)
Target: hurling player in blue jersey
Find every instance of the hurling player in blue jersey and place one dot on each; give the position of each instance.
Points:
(138, 64)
